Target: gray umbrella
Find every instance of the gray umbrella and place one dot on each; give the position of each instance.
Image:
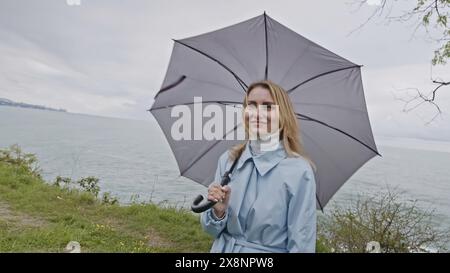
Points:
(326, 91)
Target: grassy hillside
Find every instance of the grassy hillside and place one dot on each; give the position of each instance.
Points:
(39, 217)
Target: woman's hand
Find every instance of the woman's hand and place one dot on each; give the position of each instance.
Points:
(221, 195)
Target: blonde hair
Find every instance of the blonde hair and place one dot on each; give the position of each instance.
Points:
(289, 129)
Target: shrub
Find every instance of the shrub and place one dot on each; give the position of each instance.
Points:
(13, 155)
(397, 225)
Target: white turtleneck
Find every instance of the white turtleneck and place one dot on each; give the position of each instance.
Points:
(266, 143)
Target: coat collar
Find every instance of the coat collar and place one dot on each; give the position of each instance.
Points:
(264, 162)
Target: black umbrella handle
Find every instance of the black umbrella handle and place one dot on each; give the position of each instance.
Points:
(199, 207)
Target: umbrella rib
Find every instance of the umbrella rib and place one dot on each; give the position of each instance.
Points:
(183, 77)
(170, 86)
(214, 84)
(267, 47)
(320, 75)
(239, 80)
(305, 117)
(207, 150)
(318, 201)
(223, 102)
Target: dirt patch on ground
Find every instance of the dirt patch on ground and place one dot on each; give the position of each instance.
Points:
(8, 215)
(154, 239)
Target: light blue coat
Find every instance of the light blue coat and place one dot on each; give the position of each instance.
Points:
(272, 206)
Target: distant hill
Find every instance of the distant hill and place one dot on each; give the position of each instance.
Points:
(6, 102)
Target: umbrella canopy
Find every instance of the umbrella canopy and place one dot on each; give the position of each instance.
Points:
(326, 91)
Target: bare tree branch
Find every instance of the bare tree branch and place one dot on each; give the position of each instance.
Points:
(420, 99)
(425, 11)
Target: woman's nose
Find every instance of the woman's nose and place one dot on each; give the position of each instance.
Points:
(262, 113)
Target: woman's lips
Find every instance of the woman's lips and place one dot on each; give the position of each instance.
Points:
(257, 124)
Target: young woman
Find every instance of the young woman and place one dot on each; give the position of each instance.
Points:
(270, 203)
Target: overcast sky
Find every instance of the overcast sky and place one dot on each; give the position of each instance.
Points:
(109, 57)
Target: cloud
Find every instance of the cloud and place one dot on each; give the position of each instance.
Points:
(109, 57)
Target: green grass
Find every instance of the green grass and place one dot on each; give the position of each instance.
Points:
(38, 217)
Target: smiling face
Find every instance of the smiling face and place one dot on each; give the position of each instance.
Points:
(282, 114)
(261, 113)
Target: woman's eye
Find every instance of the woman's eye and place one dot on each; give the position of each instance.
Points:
(266, 107)
(251, 107)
